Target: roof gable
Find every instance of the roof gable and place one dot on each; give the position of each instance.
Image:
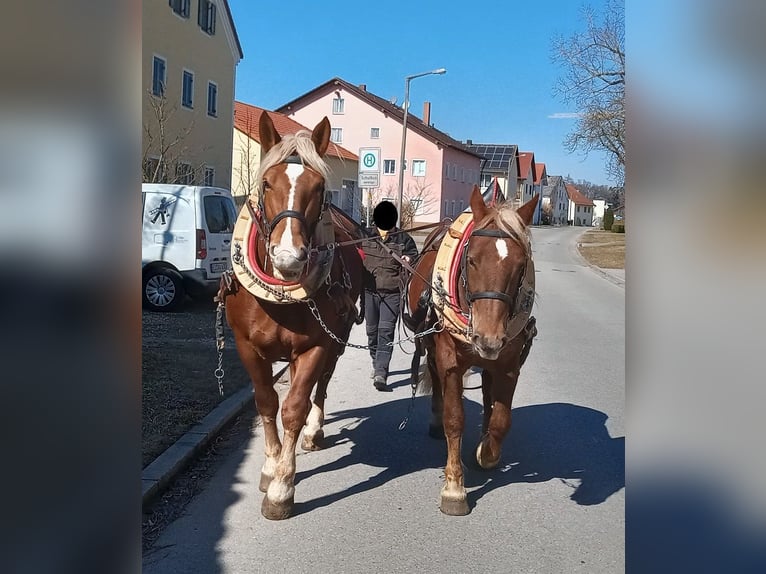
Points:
(231, 32)
(576, 197)
(539, 173)
(393, 111)
(527, 163)
(247, 116)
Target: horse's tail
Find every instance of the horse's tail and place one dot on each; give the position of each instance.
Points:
(419, 372)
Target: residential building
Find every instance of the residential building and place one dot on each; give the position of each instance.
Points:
(555, 195)
(599, 207)
(439, 170)
(527, 176)
(500, 162)
(247, 155)
(541, 180)
(580, 207)
(190, 52)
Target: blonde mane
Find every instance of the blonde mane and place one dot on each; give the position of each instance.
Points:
(508, 220)
(299, 144)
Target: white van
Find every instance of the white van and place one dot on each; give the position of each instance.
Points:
(185, 241)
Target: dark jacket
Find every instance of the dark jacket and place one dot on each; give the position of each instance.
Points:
(382, 272)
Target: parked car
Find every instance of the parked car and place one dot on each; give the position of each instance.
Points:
(185, 242)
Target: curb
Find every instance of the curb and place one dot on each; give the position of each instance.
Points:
(604, 273)
(159, 473)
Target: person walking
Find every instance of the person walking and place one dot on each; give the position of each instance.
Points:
(383, 278)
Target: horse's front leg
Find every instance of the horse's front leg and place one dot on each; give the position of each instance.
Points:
(453, 495)
(267, 404)
(313, 432)
(304, 371)
(490, 447)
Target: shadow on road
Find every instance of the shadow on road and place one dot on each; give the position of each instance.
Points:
(549, 441)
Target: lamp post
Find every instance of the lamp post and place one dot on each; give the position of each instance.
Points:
(404, 132)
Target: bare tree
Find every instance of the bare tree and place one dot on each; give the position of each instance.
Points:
(249, 162)
(165, 147)
(416, 201)
(593, 63)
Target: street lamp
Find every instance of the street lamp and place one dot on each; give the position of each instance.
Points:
(404, 131)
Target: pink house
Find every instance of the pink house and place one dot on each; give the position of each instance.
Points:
(439, 170)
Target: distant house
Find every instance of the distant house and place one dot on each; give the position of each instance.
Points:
(580, 207)
(599, 207)
(189, 57)
(439, 170)
(541, 180)
(247, 155)
(555, 195)
(500, 163)
(527, 177)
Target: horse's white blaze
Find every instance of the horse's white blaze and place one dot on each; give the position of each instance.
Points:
(502, 249)
(280, 491)
(294, 171)
(313, 422)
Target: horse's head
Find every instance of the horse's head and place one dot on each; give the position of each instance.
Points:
(496, 268)
(291, 195)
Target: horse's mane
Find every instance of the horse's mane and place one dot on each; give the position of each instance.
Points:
(299, 144)
(508, 220)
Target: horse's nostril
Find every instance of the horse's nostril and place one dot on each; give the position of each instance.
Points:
(273, 250)
(302, 254)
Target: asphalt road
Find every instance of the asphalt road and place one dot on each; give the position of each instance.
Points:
(369, 501)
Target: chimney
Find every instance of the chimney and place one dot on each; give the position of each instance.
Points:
(427, 113)
(468, 142)
(363, 87)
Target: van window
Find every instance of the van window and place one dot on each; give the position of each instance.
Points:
(219, 214)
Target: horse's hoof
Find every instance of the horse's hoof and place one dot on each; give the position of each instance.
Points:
(485, 462)
(454, 507)
(263, 485)
(313, 443)
(274, 511)
(436, 431)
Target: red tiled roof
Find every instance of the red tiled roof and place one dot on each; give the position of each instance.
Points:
(246, 117)
(539, 171)
(527, 161)
(577, 197)
(392, 110)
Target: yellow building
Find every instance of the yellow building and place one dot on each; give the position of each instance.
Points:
(190, 54)
(246, 158)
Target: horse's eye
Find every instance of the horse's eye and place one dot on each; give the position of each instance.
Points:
(470, 261)
(266, 184)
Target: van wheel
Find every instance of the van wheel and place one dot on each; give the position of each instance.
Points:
(163, 289)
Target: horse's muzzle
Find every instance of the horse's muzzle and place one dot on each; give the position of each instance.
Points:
(289, 263)
(488, 347)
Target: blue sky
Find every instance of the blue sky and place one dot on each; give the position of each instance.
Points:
(499, 82)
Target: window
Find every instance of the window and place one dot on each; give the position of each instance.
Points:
(184, 174)
(446, 169)
(336, 135)
(374, 133)
(453, 175)
(212, 99)
(209, 176)
(461, 206)
(389, 166)
(153, 171)
(418, 167)
(462, 174)
(486, 179)
(219, 214)
(446, 208)
(181, 7)
(206, 16)
(187, 94)
(158, 76)
(338, 104)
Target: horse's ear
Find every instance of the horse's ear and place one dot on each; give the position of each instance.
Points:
(527, 211)
(321, 136)
(478, 207)
(268, 133)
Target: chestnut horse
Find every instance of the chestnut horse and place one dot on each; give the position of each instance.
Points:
(290, 204)
(493, 293)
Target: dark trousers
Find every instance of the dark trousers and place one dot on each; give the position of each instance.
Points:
(381, 310)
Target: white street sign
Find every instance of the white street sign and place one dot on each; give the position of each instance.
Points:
(369, 179)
